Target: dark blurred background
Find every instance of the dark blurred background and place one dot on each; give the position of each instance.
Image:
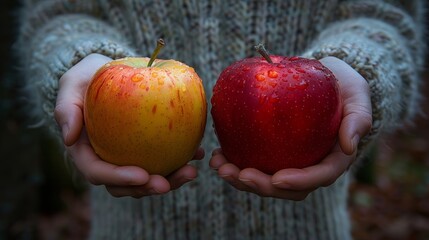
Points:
(40, 198)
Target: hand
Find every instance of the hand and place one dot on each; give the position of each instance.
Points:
(296, 184)
(119, 180)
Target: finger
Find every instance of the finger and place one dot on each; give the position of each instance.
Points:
(181, 176)
(217, 151)
(230, 173)
(199, 154)
(72, 87)
(217, 159)
(261, 184)
(323, 174)
(158, 184)
(70, 119)
(98, 172)
(155, 186)
(356, 123)
(357, 111)
(69, 108)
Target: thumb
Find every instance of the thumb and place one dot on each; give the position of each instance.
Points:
(357, 111)
(69, 117)
(356, 123)
(70, 100)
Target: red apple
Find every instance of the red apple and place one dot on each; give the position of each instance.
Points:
(276, 112)
(146, 112)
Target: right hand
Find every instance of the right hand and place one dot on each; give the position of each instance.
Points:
(297, 184)
(119, 180)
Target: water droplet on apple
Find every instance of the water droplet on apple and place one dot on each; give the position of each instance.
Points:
(242, 83)
(293, 58)
(273, 83)
(295, 76)
(183, 88)
(302, 85)
(273, 74)
(160, 81)
(290, 87)
(300, 70)
(260, 77)
(262, 98)
(137, 77)
(281, 65)
(274, 98)
(318, 68)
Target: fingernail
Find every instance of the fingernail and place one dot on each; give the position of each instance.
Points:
(154, 191)
(348, 168)
(248, 182)
(215, 152)
(227, 178)
(213, 165)
(215, 168)
(65, 131)
(281, 184)
(355, 142)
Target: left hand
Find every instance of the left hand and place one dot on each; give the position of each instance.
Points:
(297, 184)
(120, 181)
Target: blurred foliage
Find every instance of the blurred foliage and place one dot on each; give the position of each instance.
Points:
(393, 202)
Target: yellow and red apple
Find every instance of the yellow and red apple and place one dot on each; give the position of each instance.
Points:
(146, 112)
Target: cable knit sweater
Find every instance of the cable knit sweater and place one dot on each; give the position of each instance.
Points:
(382, 40)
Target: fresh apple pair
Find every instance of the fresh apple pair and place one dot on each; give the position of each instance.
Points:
(269, 112)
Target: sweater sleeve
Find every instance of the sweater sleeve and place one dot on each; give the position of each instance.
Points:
(384, 43)
(53, 37)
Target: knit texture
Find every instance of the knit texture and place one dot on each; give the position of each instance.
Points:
(382, 40)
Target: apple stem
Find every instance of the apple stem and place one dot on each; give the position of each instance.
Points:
(159, 44)
(261, 50)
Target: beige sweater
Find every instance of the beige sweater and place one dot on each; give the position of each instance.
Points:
(382, 40)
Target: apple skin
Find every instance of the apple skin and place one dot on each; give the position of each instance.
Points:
(151, 117)
(272, 116)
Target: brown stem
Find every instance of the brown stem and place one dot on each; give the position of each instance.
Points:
(261, 50)
(159, 44)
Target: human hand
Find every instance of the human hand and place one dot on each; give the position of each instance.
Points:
(119, 180)
(297, 184)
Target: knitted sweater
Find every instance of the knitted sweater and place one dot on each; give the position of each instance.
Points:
(382, 40)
